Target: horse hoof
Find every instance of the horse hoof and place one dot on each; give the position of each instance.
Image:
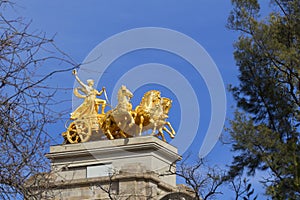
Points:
(130, 125)
(111, 137)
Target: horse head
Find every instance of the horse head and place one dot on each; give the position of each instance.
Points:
(150, 99)
(166, 104)
(124, 94)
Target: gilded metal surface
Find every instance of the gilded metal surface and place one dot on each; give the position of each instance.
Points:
(91, 103)
(116, 122)
(120, 122)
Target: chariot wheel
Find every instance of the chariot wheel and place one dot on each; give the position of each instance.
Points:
(78, 131)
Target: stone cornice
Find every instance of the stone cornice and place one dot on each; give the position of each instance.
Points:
(102, 180)
(109, 147)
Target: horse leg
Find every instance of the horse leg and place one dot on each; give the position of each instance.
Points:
(154, 128)
(107, 126)
(122, 134)
(132, 122)
(169, 132)
(141, 125)
(162, 135)
(109, 135)
(122, 124)
(172, 133)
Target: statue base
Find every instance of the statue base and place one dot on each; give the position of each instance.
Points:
(132, 168)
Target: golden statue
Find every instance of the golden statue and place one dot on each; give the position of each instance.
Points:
(152, 114)
(91, 103)
(143, 117)
(120, 122)
(159, 121)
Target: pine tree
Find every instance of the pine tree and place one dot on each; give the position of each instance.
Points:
(265, 132)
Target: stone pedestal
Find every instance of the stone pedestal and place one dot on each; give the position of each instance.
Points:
(134, 168)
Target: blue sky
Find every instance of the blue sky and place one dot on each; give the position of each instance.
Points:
(81, 25)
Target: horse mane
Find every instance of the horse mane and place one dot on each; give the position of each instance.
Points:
(146, 96)
(120, 92)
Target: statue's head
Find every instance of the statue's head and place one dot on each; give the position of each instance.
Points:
(90, 82)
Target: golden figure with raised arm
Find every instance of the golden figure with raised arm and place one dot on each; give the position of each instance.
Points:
(90, 105)
(150, 114)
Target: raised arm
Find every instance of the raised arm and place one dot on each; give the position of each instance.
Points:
(74, 72)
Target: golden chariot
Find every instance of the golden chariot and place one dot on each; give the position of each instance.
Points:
(121, 121)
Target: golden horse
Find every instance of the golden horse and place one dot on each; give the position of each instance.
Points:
(152, 113)
(117, 121)
(159, 122)
(142, 111)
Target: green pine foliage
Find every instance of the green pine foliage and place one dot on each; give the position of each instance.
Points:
(265, 131)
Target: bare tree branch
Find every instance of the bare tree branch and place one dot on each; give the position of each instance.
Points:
(25, 58)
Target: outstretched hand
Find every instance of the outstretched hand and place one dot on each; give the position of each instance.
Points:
(74, 72)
